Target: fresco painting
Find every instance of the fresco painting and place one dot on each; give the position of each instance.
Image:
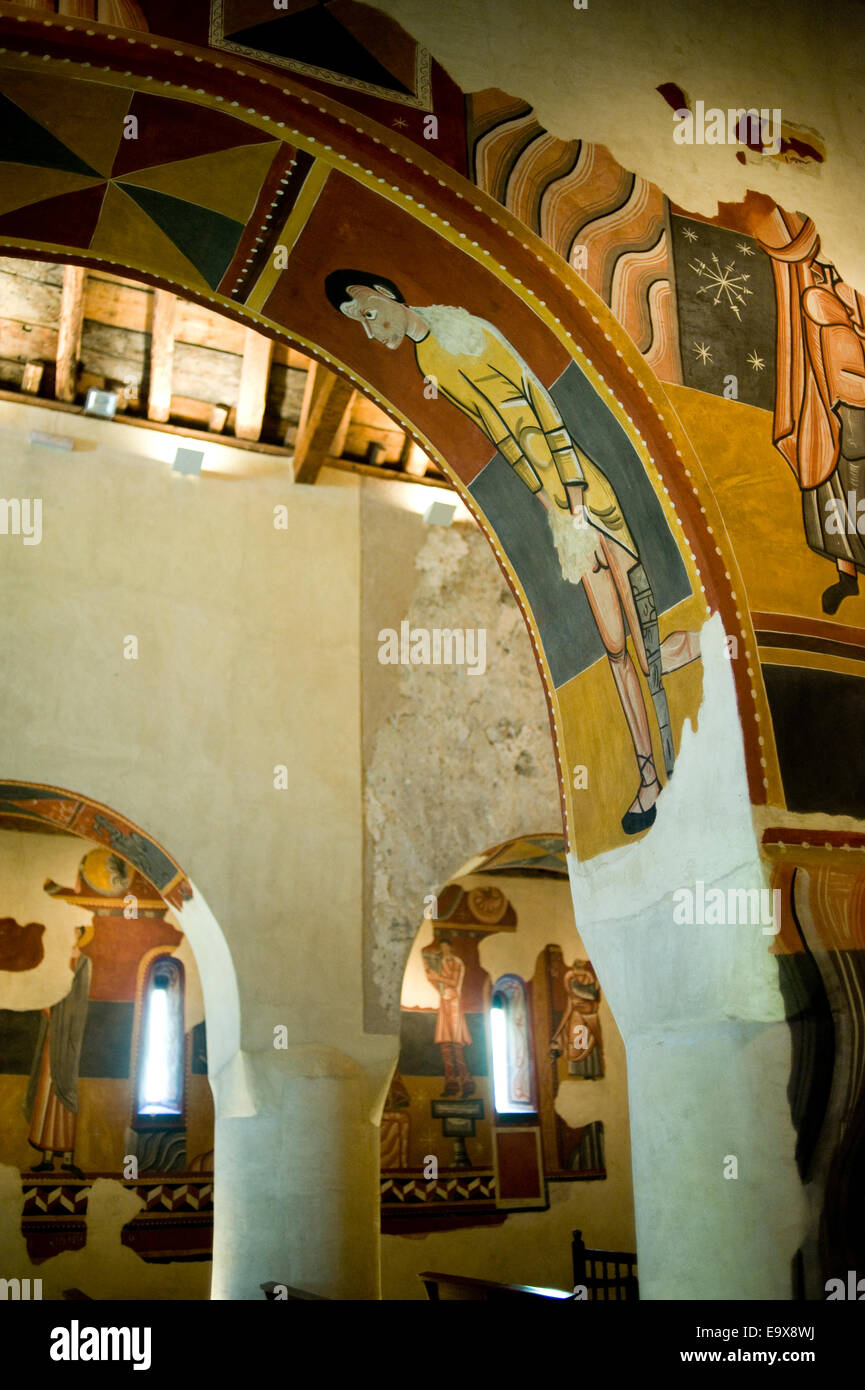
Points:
(445, 1141)
(470, 362)
(71, 1070)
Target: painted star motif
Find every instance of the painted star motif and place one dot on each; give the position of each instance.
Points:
(727, 282)
(703, 352)
(755, 362)
(399, 122)
(744, 248)
(689, 234)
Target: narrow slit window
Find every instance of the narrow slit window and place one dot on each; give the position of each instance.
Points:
(160, 1072)
(509, 1030)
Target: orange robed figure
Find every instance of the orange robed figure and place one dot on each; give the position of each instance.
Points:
(820, 400)
(51, 1104)
(452, 1033)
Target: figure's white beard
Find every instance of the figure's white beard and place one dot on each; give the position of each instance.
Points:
(458, 331)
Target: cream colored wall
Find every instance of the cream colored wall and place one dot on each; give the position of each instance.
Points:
(532, 1247)
(248, 657)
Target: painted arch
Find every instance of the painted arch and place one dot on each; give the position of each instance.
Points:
(227, 161)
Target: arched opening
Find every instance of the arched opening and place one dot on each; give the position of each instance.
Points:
(108, 1153)
(506, 1124)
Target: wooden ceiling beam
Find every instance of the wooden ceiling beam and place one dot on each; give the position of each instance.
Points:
(69, 332)
(78, 9)
(161, 355)
(254, 373)
(123, 14)
(306, 402)
(31, 377)
(331, 401)
(338, 446)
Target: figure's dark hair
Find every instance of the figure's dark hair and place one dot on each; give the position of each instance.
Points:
(338, 283)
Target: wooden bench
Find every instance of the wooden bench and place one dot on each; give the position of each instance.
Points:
(606, 1275)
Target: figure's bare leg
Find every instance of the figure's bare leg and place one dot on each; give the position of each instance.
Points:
(678, 649)
(607, 611)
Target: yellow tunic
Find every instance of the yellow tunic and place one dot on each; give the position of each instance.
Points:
(499, 391)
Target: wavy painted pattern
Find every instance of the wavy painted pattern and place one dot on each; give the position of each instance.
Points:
(610, 225)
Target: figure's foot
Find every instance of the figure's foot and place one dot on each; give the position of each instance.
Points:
(834, 596)
(468, 1087)
(451, 1089)
(46, 1167)
(70, 1168)
(641, 812)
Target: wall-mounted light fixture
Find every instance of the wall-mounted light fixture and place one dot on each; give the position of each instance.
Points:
(439, 514)
(101, 403)
(188, 461)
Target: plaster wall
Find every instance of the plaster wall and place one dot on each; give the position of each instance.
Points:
(248, 657)
(452, 761)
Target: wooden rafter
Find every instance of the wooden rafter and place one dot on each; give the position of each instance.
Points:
(161, 355)
(69, 333)
(252, 398)
(31, 377)
(122, 14)
(331, 400)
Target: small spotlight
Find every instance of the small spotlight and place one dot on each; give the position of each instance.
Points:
(101, 403)
(188, 461)
(439, 514)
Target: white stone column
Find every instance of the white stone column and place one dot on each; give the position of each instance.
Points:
(297, 1182)
(700, 1010)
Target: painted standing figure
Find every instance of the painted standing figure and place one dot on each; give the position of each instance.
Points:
(478, 371)
(51, 1104)
(447, 972)
(579, 1032)
(819, 424)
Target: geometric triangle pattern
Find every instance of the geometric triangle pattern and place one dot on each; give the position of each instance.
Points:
(84, 116)
(76, 213)
(168, 131)
(315, 32)
(194, 177)
(228, 181)
(27, 142)
(207, 239)
(126, 234)
(26, 183)
(338, 41)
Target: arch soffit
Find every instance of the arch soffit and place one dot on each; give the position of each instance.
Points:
(471, 237)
